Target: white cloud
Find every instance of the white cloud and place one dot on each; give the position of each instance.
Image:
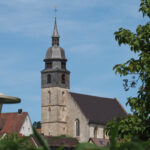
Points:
(30, 16)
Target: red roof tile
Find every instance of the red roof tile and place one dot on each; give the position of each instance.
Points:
(11, 122)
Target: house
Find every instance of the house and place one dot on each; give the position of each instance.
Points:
(18, 122)
(65, 113)
(68, 143)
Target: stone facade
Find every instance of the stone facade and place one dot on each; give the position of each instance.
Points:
(74, 113)
(59, 115)
(54, 111)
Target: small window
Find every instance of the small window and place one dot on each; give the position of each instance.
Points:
(63, 79)
(48, 78)
(77, 127)
(49, 65)
(63, 65)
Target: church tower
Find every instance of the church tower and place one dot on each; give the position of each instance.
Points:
(55, 81)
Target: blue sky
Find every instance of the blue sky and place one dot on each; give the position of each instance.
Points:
(86, 28)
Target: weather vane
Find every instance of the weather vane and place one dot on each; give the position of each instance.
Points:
(55, 9)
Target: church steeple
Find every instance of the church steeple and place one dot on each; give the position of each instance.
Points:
(55, 36)
(55, 82)
(55, 73)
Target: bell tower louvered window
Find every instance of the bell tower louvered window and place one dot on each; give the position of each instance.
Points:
(48, 78)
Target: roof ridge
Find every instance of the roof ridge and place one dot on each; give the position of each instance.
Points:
(12, 113)
(92, 96)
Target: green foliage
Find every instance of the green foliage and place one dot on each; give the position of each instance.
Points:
(13, 142)
(89, 146)
(41, 140)
(144, 7)
(139, 42)
(116, 143)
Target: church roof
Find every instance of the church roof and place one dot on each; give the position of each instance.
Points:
(55, 52)
(99, 110)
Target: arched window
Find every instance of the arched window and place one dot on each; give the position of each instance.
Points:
(48, 78)
(63, 79)
(95, 132)
(77, 123)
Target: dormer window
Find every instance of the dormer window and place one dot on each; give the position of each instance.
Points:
(49, 65)
(63, 79)
(48, 78)
(63, 65)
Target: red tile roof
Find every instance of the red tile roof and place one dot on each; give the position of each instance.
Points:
(61, 141)
(11, 122)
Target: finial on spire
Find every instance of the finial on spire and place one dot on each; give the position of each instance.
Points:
(55, 32)
(55, 9)
(55, 36)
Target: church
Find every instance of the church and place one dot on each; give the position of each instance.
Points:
(72, 114)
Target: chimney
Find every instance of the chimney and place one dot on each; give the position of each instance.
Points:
(19, 111)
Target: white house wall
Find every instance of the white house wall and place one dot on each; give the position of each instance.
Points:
(26, 128)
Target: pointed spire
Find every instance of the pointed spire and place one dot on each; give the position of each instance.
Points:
(55, 32)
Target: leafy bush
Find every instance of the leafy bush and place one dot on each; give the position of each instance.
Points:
(14, 142)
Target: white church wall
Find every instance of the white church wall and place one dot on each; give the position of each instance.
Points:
(100, 130)
(26, 128)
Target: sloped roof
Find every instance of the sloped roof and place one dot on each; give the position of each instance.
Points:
(11, 122)
(98, 109)
(61, 141)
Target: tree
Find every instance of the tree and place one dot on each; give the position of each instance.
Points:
(139, 69)
(37, 124)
